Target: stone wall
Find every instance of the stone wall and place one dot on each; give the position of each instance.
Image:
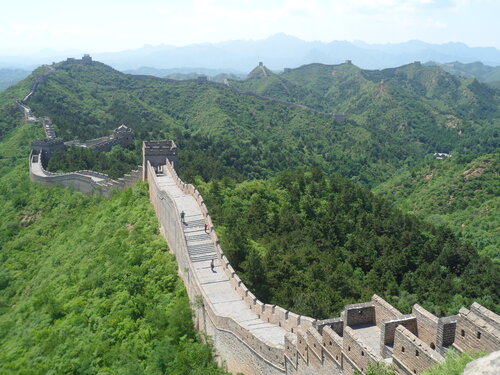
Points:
(384, 310)
(427, 324)
(446, 332)
(87, 182)
(388, 331)
(357, 353)
(411, 355)
(245, 353)
(358, 314)
(477, 330)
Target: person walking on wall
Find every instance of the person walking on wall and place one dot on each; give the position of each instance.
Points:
(206, 228)
(182, 216)
(212, 265)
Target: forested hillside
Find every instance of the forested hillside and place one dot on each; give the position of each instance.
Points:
(461, 192)
(483, 73)
(312, 244)
(221, 132)
(438, 111)
(299, 235)
(86, 284)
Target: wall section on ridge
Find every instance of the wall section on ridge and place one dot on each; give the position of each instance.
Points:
(239, 349)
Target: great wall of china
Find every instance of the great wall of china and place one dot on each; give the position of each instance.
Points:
(252, 337)
(85, 181)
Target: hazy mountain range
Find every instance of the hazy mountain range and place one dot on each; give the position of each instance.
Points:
(277, 51)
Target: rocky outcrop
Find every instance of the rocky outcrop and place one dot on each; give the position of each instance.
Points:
(489, 365)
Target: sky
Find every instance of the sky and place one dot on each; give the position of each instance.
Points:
(115, 25)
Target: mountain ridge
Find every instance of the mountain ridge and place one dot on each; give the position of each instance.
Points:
(278, 50)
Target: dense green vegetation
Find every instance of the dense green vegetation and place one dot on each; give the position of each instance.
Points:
(87, 285)
(254, 138)
(313, 244)
(483, 73)
(454, 363)
(114, 163)
(413, 103)
(461, 192)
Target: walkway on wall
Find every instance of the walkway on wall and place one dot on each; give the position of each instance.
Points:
(216, 285)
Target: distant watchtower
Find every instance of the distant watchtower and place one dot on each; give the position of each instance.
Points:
(157, 153)
(124, 135)
(86, 59)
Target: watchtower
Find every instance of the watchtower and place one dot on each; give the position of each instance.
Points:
(157, 153)
(86, 59)
(124, 135)
(46, 147)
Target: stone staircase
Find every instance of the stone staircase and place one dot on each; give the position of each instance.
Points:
(200, 247)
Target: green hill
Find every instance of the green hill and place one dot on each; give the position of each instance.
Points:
(478, 70)
(313, 244)
(260, 72)
(222, 132)
(463, 193)
(9, 77)
(414, 103)
(86, 285)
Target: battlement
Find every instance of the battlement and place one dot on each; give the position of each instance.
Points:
(157, 153)
(85, 60)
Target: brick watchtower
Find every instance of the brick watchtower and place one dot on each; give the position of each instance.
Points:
(157, 153)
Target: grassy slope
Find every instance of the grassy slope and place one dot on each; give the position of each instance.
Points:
(86, 284)
(463, 193)
(454, 363)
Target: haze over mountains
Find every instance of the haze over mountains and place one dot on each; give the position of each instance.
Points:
(277, 51)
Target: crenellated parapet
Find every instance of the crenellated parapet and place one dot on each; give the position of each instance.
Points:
(85, 181)
(477, 329)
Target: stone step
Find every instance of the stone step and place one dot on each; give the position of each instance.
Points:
(201, 245)
(203, 258)
(207, 251)
(198, 237)
(195, 223)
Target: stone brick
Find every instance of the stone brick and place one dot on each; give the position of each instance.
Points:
(427, 325)
(412, 355)
(388, 330)
(358, 314)
(383, 310)
(332, 344)
(475, 333)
